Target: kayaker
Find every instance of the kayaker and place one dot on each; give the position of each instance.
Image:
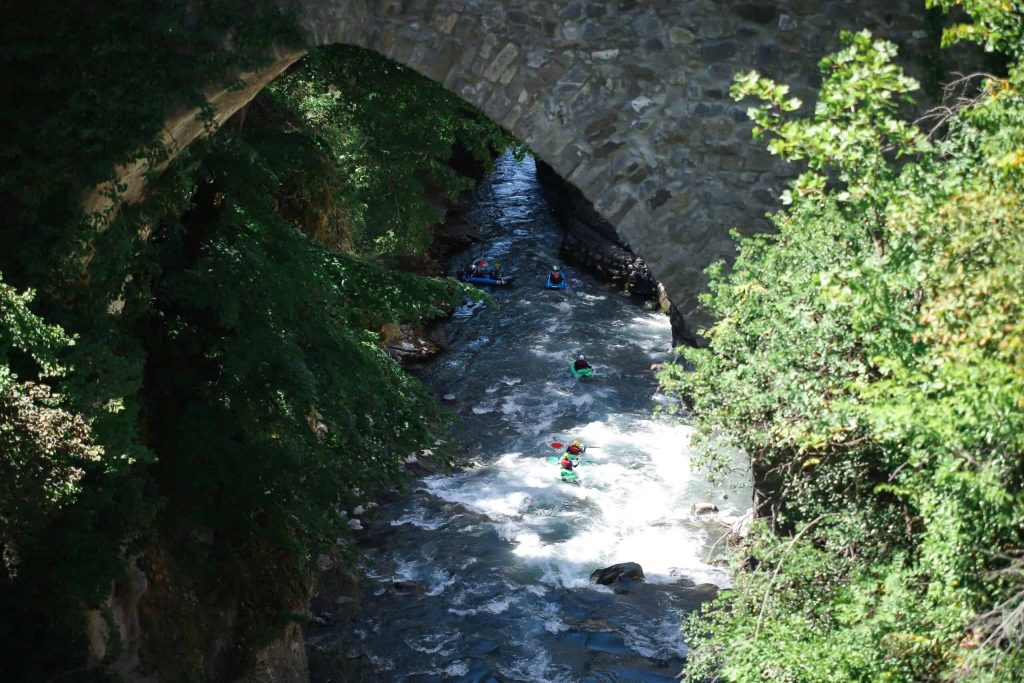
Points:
(581, 363)
(566, 462)
(556, 276)
(575, 448)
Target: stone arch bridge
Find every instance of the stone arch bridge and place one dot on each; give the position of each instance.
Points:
(626, 99)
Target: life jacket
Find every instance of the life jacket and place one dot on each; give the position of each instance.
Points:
(581, 364)
(555, 277)
(574, 449)
(566, 463)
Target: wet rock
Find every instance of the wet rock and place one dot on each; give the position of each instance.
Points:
(423, 464)
(704, 508)
(409, 587)
(611, 643)
(376, 535)
(740, 528)
(324, 562)
(627, 572)
(448, 397)
(409, 344)
(682, 334)
(706, 591)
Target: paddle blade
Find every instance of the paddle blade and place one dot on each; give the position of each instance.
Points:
(556, 445)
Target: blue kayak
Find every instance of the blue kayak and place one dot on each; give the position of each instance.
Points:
(561, 285)
(477, 280)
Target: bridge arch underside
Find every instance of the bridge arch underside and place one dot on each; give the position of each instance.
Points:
(628, 100)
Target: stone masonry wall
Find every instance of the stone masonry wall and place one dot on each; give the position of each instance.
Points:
(628, 99)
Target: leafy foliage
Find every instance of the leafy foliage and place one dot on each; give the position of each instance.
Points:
(869, 356)
(389, 134)
(43, 447)
(226, 396)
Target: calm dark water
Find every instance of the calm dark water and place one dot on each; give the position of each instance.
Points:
(486, 574)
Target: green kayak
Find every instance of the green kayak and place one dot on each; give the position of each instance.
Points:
(570, 477)
(579, 374)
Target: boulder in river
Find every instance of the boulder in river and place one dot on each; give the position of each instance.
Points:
(408, 587)
(704, 508)
(617, 573)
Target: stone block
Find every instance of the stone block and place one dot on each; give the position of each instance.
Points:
(501, 62)
(716, 50)
(756, 12)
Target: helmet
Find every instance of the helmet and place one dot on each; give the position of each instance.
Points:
(555, 267)
(576, 442)
(582, 357)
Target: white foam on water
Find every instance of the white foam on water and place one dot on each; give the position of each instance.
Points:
(457, 669)
(419, 518)
(666, 640)
(635, 496)
(582, 400)
(547, 352)
(493, 606)
(534, 668)
(478, 342)
(433, 643)
(440, 581)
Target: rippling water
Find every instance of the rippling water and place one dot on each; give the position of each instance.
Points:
(486, 574)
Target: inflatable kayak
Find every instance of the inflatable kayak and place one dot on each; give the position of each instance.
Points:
(580, 374)
(570, 477)
(476, 280)
(561, 285)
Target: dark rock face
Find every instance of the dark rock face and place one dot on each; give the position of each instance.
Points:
(591, 241)
(682, 335)
(624, 572)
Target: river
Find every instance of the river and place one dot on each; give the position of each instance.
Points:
(484, 575)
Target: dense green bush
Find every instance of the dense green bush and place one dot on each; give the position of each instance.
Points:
(226, 395)
(870, 358)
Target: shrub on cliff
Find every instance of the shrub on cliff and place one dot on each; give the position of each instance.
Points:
(225, 359)
(869, 357)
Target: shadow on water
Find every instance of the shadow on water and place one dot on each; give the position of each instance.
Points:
(484, 575)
